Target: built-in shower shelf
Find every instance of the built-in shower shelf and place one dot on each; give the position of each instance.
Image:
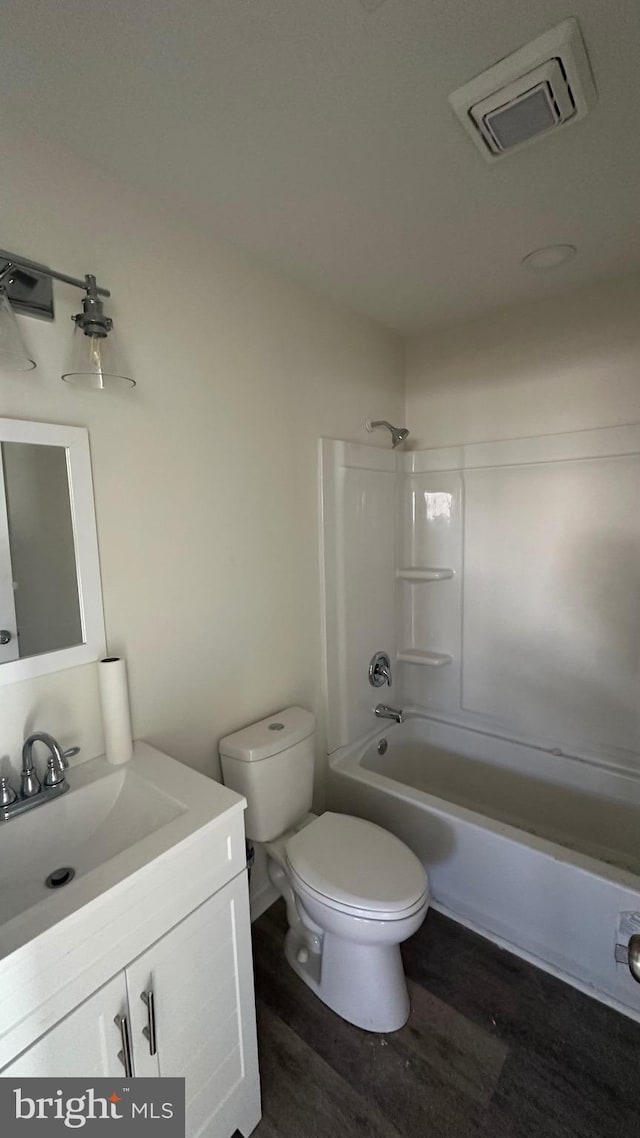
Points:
(425, 659)
(423, 573)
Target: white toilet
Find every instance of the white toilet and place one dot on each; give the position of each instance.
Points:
(354, 892)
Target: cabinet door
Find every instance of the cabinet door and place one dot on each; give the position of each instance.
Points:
(84, 1045)
(201, 978)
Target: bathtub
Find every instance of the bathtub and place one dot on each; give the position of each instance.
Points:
(536, 850)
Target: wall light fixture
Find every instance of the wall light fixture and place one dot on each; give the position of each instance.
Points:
(26, 287)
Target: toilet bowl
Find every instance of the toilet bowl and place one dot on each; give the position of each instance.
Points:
(353, 891)
(357, 892)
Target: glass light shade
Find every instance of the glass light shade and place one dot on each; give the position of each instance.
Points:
(13, 354)
(94, 363)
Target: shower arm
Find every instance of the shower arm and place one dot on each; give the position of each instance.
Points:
(398, 434)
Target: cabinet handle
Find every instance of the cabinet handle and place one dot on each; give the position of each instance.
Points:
(149, 1031)
(125, 1055)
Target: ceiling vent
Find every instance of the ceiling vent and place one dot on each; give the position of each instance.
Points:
(543, 86)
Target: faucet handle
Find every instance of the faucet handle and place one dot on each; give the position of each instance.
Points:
(29, 783)
(55, 772)
(379, 670)
(7, 793)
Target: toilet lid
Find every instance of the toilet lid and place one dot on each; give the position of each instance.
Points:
(357, 863)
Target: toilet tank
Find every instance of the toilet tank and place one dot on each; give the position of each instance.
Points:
(271, 764)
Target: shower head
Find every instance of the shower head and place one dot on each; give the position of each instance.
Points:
(398, 434)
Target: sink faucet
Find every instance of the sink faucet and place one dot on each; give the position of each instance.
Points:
(56, 766)
(382, 711)
(33, 793)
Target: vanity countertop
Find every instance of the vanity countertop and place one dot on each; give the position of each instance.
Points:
(149, 841)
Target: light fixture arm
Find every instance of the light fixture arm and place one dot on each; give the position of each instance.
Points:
(92, 319)
(35, 266)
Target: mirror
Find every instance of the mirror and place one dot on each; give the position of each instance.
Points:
(39, 602)
(50, 596)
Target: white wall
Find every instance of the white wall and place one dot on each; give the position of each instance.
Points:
(205, 474)
(560, 365)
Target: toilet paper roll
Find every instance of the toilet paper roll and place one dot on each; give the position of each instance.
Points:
(116, 717)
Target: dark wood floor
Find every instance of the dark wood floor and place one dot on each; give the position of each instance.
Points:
(493, 1047)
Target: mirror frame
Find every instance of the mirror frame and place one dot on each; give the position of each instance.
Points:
(75, 440)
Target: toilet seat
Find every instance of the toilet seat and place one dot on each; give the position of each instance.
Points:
(307, 896)
(357, 868)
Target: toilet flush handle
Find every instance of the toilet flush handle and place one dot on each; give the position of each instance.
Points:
(634, 957)
(630, 954)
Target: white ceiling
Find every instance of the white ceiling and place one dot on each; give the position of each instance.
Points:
(317, 134)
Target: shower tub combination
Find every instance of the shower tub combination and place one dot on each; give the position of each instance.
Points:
(536, 850)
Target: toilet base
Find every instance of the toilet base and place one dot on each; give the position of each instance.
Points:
(363, 983)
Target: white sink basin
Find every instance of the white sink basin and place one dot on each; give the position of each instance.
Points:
(148, 843)
(106, 811)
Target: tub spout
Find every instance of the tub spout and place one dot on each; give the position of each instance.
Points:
(382, 711)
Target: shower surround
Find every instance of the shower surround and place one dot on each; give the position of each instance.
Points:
(501, 578)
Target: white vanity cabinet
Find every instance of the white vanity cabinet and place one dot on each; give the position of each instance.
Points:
(201, 979)
(84, 1044)
(186, 1009)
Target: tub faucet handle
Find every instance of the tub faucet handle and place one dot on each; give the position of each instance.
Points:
(379, 670)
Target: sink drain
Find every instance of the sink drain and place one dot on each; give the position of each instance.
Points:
(60, 877)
